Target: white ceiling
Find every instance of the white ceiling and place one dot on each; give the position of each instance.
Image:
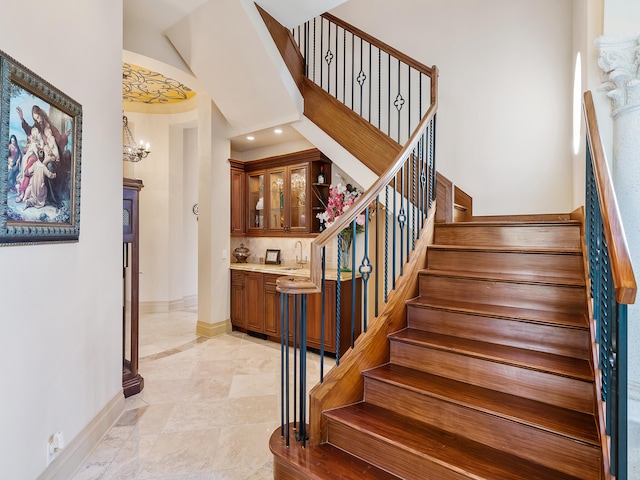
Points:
(224, 44)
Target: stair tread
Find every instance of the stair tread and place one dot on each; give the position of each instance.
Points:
(503, 249)
(525, 314)
(325, 461)
(515, 221)
(566, 366)
(444, 448)
(507, 277)
(562, 421)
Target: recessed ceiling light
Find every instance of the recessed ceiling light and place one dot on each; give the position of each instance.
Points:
(278, 131)
(250, 137)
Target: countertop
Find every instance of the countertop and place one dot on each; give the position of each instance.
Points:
(286, 270)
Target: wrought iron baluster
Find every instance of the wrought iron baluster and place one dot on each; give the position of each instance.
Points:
(393, 244)
(365, 271)
(322, 312)
(353, 281)
(286, 339)
(295, 359)
(302, 426)
(402, 220)
(414, 196)
(336, 69)
(386, 243)
(338, 299)
(377, 257)
(284, 376)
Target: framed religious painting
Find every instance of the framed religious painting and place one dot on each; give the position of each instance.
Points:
(40, 141)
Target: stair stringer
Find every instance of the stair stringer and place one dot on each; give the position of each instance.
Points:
(344, 384)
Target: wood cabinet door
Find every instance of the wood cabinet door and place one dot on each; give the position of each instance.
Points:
(298, 202)
(256, 203)
(237, 202)
(276, 192)
(271, 306)
(314, 318)
(237, 298)
(254, 302)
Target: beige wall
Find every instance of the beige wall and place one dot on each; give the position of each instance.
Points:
(60, 326)
(506, 72)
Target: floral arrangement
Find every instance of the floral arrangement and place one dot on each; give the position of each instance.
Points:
(341, 197)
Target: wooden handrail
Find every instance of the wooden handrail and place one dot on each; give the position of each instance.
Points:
(429, 71)
(622, 272)
(368, 197)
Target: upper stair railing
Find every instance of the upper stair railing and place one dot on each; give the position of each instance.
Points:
(379, 83)
(379, 231)
(613, 287)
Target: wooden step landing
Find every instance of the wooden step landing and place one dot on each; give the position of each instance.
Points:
(560, 421)
(549, 317)
(578, 369)
(509, 277)
(558, 333)
(534, 234)
(324, 462)
(509, 290)
(555, 437)
(417, 451)
(557, 380)
(556, 263)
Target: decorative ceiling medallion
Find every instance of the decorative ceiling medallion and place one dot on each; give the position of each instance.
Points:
(145, 86)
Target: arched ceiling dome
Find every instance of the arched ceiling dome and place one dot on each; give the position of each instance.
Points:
(141, 85)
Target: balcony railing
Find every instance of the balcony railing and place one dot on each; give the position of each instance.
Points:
(613, 287)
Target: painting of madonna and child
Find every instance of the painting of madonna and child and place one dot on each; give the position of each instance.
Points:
(40, 160)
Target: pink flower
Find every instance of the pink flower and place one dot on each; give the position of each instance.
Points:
(341, 197)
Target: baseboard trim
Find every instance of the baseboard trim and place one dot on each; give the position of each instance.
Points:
(168, 306)
(73, 455)
(211, 330)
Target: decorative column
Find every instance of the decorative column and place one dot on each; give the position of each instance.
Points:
(620, 61)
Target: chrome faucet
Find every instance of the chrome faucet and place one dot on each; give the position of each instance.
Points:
(300, 262)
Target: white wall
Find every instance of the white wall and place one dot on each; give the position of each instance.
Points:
(60, 327)
(168, 264)
(506, 74)
(189, 282)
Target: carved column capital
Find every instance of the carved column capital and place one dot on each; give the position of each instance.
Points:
(620, 62)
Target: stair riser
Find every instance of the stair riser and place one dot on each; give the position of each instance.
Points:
(388, 456)
(543, 236)
(566, 266)
(533, 384)
(547, 448)
(558, 298)
(560, 340)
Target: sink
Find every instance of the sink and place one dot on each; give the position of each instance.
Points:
(289, 268)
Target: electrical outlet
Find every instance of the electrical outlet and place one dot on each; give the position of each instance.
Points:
(54, 446)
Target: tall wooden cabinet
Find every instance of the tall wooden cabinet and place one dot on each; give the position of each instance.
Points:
(280, 195)
(132, 381)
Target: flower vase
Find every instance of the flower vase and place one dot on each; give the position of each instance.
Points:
(344, 245)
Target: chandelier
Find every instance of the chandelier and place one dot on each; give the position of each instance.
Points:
(131, 151)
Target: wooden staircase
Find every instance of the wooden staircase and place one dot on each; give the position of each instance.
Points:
(492, 377)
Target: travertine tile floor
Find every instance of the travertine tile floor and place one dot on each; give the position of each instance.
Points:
(207, 409)
(206, 412)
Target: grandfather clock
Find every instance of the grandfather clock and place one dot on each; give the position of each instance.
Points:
(132, 382)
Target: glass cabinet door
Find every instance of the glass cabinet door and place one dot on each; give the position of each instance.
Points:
(276, 212)
(298, 205)
(256, 200)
